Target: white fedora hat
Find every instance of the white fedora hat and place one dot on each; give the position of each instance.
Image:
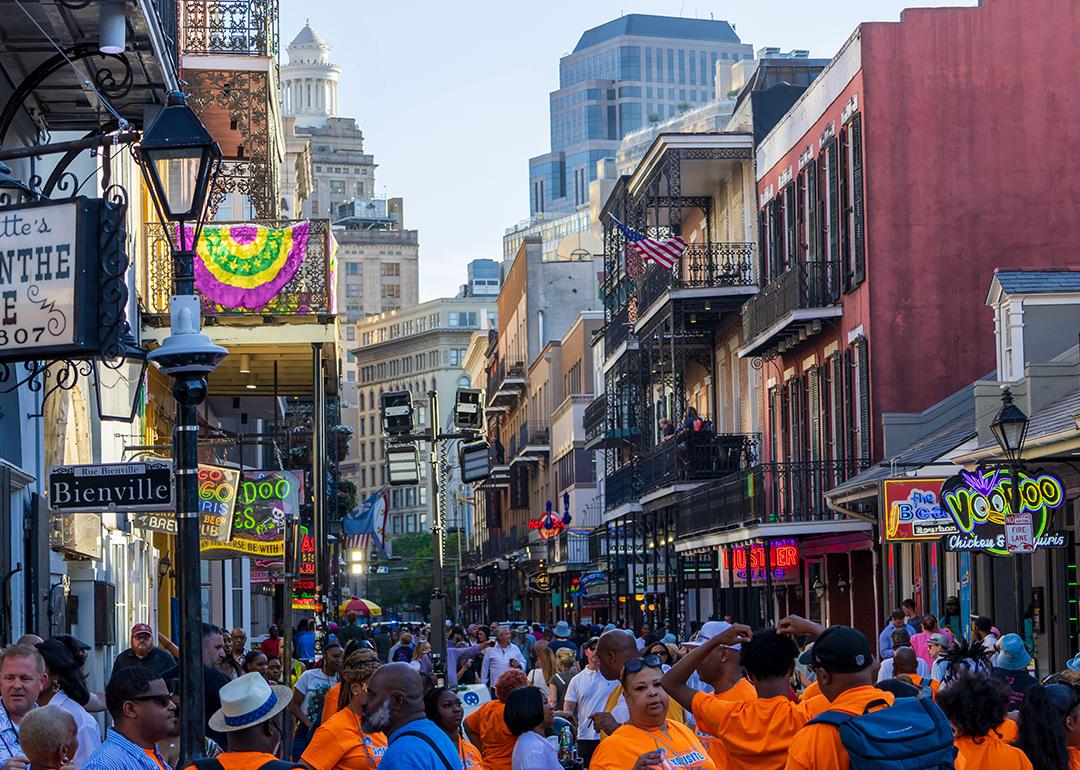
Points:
(248, 700)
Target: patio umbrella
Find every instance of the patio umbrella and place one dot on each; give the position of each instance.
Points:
(365, 608)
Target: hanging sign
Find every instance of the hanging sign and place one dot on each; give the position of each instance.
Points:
(783, 563)
(265, 501)
(304, 595)
(913, 510)
(217, 496)
(540, 582)
(49, 264)
(111, 487)
(980, 504)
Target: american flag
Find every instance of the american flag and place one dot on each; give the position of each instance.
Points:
(664, 253)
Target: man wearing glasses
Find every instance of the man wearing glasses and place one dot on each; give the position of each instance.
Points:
(143, 713)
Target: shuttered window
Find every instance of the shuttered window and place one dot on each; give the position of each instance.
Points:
(790, 249)
(847, 376)
(862, 385)
(814, 409)
(831, 190)
(858, 228)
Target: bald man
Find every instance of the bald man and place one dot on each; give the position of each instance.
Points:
(31, 640)
(612, 651)
(903, 661)
(395, 706)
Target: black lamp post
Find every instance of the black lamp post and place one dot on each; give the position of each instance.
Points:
(179, 159)
(1010, 428)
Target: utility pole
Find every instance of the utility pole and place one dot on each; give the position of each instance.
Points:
(438, 599)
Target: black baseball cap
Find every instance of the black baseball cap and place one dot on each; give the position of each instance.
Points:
(841, 650)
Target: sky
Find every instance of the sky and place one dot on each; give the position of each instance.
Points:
(453, 97)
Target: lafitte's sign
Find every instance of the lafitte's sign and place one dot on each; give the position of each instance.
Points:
(111, 487)
(49, 293)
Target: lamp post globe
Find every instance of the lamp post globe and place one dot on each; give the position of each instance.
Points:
(1010, 427)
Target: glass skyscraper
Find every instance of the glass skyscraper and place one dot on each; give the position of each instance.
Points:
(621, 76)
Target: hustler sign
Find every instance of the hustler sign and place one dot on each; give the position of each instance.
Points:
(111, 487)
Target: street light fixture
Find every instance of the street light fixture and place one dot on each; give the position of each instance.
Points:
(179, 159)
(1010, 427)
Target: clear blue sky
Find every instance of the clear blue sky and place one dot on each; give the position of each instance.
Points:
(453, 97)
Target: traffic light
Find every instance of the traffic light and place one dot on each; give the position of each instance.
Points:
(397, 412)
(468, 414)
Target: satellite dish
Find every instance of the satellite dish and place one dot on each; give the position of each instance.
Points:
(577, 247)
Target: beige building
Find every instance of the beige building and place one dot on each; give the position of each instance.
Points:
(415, 349)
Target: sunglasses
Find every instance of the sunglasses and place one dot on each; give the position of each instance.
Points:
(635, 665)
(162, 699)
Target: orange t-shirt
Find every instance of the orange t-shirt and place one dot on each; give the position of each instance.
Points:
(812, 690)
(989, 753)
(1074, 758)
(496, 738)
(338, 744)
(241, 760)
(818, 747)
(152, 753)
(1008, 731)
(742, 690)
(755, 733)
(470, 755)
(681, 748)
(330, 703)
(918, 682)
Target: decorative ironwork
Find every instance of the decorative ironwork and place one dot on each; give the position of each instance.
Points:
(704, 265)
(312, 287)
(252, 169)
(232, 27)
(806, 285)
(692, 456)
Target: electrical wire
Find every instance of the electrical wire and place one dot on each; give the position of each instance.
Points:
(121, 121)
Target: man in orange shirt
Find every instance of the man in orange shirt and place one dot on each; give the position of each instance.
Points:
(844, 665)
(250, 714)
(486, 727)
(757, 732)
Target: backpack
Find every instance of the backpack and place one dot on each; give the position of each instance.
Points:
(912, 734)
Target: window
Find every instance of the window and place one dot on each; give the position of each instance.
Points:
(454, 359)
(352, 268)
(463, 382)
(853, 247)
(337, 187)
(350, 333)
(352, 290)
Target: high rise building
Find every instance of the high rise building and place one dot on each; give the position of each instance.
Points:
(377, 258)
(485, 278)
(621, 75)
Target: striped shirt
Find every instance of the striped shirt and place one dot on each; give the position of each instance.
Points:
(118, 753)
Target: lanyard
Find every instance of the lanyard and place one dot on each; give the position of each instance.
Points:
(668, 744)
(3, 740)
(364, 743)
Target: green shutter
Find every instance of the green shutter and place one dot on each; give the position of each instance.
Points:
(814, 407)
(864, 398)
(791, 251)
(857, 199)
(813, 247)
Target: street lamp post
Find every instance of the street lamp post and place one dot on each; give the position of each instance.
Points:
(179, 159)
(1010, 429)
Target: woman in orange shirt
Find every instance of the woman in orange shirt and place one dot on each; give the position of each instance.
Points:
(649, 741)
(975, 705)
(486, 727)
(1050, 726)
(443, 707)
(339, 743)
(334, 701)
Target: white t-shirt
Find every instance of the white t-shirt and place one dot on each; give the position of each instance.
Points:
(532, 752)
(590, 691)
(886, 671)
(86, 727)
(536, 679)
(314, 683)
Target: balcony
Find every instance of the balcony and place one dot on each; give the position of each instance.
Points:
(696, 456)
(595, 421)
(620, 487)
(505, 383)
(769, 493)
(706, 271)
(308, 296)
(534, 438)
(791, 307)
(230, 50)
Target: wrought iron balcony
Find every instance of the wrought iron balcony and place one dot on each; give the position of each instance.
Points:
(595, 420)
(505, 381)
(694, 456)
(534, 437)
(621, 486)
(308, 293)
(230, 27)
(797, 297)
(769, 493)
(617, 330)
(703, 266)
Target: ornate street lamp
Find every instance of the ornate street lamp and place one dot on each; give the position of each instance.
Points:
(1010, 427)
(179, 159)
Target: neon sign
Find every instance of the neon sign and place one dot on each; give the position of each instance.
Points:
(979, 502)
(783, 562)
(217, 501)
(266, 501)
(549, 524)
(913, 510)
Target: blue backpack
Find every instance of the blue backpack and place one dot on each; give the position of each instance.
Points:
(912, 734)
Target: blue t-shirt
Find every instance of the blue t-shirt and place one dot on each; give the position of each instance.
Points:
(412, 753)
(304, 645)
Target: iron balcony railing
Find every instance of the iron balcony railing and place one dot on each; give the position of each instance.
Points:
(598, 544)
(534, 433)
(595, 417)
(617, 330)
(807, 285)
(703, 265)
(498, 375)
(310, 291)
(231, 27)
(768, 493)
(620, 486)
(693, 456)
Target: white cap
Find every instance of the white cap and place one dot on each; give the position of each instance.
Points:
(708, 631)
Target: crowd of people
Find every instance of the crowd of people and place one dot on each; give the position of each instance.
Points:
(791, 697)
